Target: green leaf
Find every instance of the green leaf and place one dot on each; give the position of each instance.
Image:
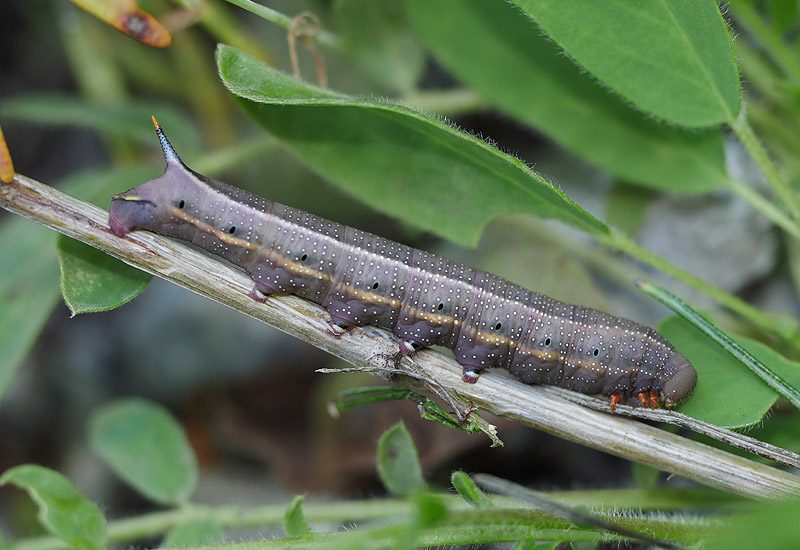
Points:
(398, 464)
(788, 387)
(294, 520)
(194, 533)
(727, 393)
(626, 207)
(470, 492)
(130, 119)
(377, 34)
(397, 160)
(771, 524)
(670, 58)
(29, 267)
(484, 42)
(28, 290)
(147, 448)
(93, 281)
(63, 510)
(783, 14)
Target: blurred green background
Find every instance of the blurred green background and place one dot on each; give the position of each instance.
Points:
(75, 100)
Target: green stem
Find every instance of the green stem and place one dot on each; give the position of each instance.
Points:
(760, 203)
(237, 154)
(446, 102)
(466, 524)
(777, 125)
(746, 15)
(745, 133)
(759, 74)
(618, 240)
(324, 37)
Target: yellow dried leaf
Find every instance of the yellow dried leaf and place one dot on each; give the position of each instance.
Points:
(127, 17)
(6, 166)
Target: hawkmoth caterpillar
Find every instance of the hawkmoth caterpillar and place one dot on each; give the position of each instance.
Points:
(363, 279)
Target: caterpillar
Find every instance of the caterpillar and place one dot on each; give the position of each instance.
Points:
(363, 279)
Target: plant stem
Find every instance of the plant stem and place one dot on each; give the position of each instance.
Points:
(368, 347)
(746, 15)
(618, 240)
(763, 205)
(454, 102)
(228, 157)
(136, 528)
(324, 37)
(741, 127)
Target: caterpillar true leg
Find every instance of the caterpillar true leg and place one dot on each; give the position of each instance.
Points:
(614, 401)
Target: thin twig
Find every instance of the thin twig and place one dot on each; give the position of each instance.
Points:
(729, 437)
(497, 393)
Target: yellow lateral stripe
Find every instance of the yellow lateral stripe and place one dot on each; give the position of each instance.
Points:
(362, 295)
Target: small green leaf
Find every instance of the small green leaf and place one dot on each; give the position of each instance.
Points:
(294, 520)
(486, 42)
(63, 510)
(727, 393)
(377, 34)
(147, 448)
(29, 266)
(398, 464)
(673, 59)
(395, 159)
(470, 492)
(195, 533)
(788, 387)
(93, 281)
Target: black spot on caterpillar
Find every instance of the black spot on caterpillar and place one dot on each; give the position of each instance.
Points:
(362, 279)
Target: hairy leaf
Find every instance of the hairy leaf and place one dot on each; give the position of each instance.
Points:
(485, 43)
(470, 492)
(398, 464)
(294, 520)
(146, 448)
(670, 58)
(395, 159)
(63, 510)
(727, 393)
(93, 281)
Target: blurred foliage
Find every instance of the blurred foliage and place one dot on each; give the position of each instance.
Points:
(644, 94)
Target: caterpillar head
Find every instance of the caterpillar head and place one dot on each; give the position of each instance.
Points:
(680, 382)
(152, 204)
